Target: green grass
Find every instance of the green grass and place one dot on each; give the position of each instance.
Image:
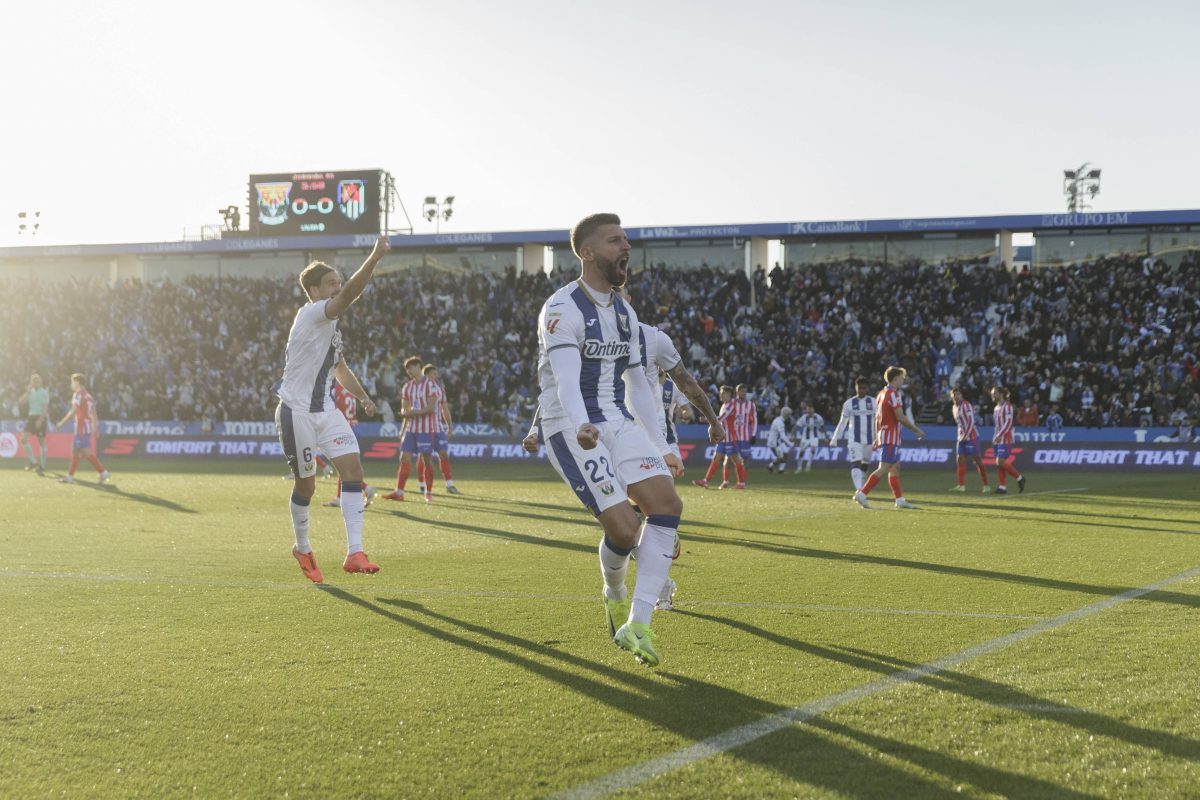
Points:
(160, 641)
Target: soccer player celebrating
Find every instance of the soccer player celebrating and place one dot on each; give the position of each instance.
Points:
(968, 441)
(443, 426)
(346, 400)
(307, 418)
(38, 398)
(858, 421)
(889, 416)
(87, 425)
(416, 436)
(812, 431)
(1002, 441)
(588, 368)
(778, 441)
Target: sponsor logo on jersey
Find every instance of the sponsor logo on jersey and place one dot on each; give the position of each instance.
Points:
(606, 488)
(652, 463)
(593, 348)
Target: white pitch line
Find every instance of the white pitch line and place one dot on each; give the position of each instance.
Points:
(1047, 491)
(373, 588)
(744, 734)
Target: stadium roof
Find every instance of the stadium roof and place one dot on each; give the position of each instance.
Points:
(242, 243)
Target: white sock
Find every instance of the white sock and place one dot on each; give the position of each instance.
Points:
(856, 476)
(654, 563)
(352, 515)
(449, 482)
(299, 506)
(613, 565)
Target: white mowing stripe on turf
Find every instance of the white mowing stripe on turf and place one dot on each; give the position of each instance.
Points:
(359, 588)
(736, 737)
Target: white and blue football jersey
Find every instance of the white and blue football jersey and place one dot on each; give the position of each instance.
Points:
(606, 333)
(858, 420)
(314, 347)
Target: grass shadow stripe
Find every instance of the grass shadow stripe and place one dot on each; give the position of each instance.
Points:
(733, 738)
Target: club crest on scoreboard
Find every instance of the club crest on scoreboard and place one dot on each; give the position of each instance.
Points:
(352, 198)
(273, 202)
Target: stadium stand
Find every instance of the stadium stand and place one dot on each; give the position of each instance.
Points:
(1109, 342)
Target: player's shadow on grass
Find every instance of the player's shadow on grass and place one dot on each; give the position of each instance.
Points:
(137, 497)
(493, 533)
(693, 709)
(587, 521)
(1001, 695)
(946, 569)
(579, 516)
(979, 509)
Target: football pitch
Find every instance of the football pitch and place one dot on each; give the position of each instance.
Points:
(160, 641)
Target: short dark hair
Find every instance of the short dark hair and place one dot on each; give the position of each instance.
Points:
(408, 362)
(312, 275)
(428, 368)
(588, 225)
(862, 382)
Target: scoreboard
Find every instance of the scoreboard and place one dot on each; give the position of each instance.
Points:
(292, 203)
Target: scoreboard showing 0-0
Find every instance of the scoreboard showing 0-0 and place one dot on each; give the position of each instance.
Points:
(316, 202)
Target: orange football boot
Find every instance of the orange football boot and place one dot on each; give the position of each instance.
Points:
(308, 565)
(358, 562)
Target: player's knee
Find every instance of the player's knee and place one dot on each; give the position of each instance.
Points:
(305, 487)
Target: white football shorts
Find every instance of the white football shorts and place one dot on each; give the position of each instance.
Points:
(858, 452)
(302, 433)
(623, 456)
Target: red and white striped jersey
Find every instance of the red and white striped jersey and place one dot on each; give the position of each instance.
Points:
(740, 418)
(1004, 423)
(887, 403)
(84, 405)
(437, 394)
(964, 417)
(346, 403)
(417, 395)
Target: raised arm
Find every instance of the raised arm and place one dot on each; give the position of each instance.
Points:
(358, 281)
(697, 397)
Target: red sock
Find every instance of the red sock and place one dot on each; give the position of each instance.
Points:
(95, 462)
(982, 475)
(870, 484)
(1012, 470)
(712, 471)
(445, 465)
(962, 473)
(402, 475)
(725, 473)
(74, 464)
(1001, 473)
(429, 475)
(741, 472)
(894, 482)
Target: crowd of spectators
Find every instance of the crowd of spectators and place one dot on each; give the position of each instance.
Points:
(1106, 343)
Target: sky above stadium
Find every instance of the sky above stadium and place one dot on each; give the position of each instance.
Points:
(138, 121)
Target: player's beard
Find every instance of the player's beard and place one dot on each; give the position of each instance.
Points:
(613, 272)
